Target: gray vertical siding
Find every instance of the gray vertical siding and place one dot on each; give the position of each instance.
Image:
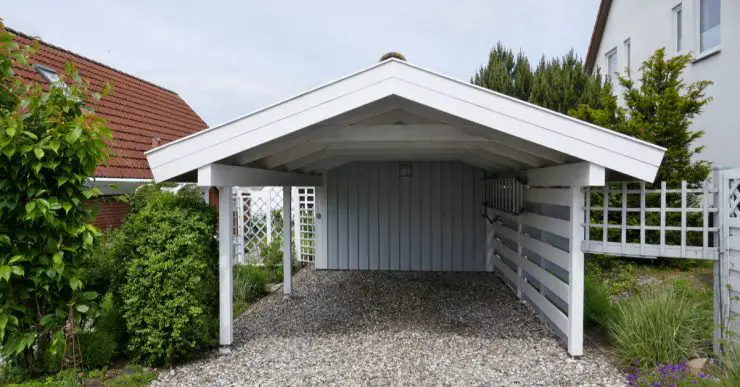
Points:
(431, 221)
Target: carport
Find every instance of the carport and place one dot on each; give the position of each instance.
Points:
(418, 171)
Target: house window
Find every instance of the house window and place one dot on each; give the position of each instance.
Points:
(611, 63)
(628, 55)
(709, 24)
(678, 27)
(47, 73)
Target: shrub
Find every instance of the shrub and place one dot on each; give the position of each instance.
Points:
(598, 308)
(618, 275)
(169, 294)
(51, 141)
(272, 253)
(657, 326)
(97, 348)
(250, 282)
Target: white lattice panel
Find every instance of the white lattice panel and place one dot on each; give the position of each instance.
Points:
(259, 221)
(305, 228)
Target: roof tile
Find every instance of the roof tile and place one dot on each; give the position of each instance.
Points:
(136, 110)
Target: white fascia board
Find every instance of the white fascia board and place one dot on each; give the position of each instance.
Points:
(218, 175)
(576, 174)
(540, 126)
(117, 186)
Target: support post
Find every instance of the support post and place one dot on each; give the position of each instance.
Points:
(287, 250)
(576, 273)
(225, 251)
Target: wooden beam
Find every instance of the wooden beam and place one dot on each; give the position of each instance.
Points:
(287, 142)
(517, 143)
(225, 247)
(287, 245)
(291, 154)
(576, 273)
(578, 174)
(411, 132)
(509, 164)
(229, 175)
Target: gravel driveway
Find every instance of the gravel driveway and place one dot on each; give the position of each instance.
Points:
(381, 328)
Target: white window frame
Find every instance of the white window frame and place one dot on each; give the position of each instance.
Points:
(628, 55)
(47, 73)
(611, 72)
(678, 20)
(697, 28)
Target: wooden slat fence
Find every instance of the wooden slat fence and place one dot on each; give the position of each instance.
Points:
(531, 253)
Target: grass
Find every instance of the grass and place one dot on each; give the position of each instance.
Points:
(128, 376)
(599, 310)
(653, 312)
(657, 326)
(250, 283)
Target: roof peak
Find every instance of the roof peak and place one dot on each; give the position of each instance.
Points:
(19, 33)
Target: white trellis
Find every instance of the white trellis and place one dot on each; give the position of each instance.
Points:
(258, 222)
(304, 201)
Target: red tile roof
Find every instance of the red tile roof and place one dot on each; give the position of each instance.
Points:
(139, 113)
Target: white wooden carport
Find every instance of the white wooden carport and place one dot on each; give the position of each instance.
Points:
(369, 129)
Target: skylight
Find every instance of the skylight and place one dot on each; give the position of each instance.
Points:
(47, 73)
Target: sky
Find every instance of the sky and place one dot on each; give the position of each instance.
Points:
(228, 58)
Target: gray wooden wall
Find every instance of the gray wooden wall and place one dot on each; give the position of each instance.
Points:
(377, 220)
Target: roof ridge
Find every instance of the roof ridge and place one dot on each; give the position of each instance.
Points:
(16, 32)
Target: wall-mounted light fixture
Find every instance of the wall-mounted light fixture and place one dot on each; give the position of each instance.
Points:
(404, 170)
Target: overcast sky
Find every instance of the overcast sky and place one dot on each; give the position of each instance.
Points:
(227, 58)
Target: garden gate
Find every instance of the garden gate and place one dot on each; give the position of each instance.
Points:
(258, 215)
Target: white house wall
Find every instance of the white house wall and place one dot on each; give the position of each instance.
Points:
(377, 220)
(649, 26)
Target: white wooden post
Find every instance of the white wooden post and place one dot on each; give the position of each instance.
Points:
(240, 227)
(296, 216)
(287, 250)
(576, 273)
(225, 250)
(268, 218)
(321, 259)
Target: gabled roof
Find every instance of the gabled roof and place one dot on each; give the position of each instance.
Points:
(500, 117)
(598, 33)
(140, 114)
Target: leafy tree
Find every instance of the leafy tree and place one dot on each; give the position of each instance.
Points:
(659, 108)
(50, 143)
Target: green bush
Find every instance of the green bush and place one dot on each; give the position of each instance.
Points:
(97, 347)
(618, 275)
(598, 308)
(168, 259)
(657, 326)
(250, 282)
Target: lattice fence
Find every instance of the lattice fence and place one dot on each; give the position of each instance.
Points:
(259, 223)
(627, 219)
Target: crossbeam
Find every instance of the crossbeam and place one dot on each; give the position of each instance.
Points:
(220, 175)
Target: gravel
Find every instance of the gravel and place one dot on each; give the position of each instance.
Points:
(393, 328)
